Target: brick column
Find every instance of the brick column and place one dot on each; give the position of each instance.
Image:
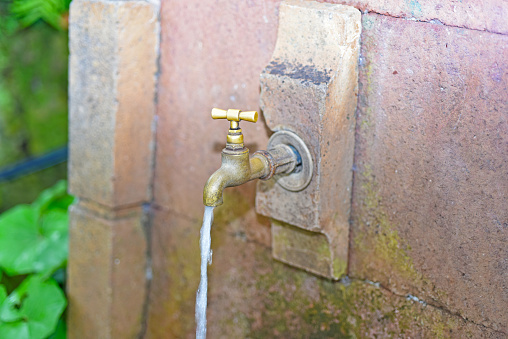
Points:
(112, 82)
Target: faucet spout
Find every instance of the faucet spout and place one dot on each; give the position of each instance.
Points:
(212, 194)
(236, 169)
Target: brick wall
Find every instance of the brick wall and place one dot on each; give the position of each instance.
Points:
(429, 219)
(429, 184)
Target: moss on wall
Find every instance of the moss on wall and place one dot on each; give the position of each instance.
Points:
(379, 250)
(183, 262)
(298, 305)
(33, 101)
(254, 296)
(33, 89)
(379, 236)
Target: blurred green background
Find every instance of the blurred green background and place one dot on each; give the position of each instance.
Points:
(33, 92)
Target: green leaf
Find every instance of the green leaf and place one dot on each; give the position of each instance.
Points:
(61, 331)
(3, 294)
(32, 310)
(52, 252)
(55, 197)
(30, 11)
(9, 310)
(18, 235)
(28, 245)
(18, 330)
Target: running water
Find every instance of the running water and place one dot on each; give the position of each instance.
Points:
(206, 259)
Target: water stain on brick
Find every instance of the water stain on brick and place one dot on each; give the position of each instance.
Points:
(305, 73)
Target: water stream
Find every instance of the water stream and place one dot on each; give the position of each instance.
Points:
(206, 259)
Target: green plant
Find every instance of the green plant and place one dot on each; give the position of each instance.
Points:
(33, 101)
(53, 12)
(33, 253)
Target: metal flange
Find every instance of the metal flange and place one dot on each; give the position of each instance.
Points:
(301, 176)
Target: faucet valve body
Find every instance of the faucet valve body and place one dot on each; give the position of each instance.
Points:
(281, 158)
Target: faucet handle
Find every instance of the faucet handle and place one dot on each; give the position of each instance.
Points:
(235, 136)
(234, 115)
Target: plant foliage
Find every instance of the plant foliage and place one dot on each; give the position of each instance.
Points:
(34, 242)
(33, 102)
(53, 12)
(32, 310)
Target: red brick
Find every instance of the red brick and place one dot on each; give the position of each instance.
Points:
(484, 15)
(430, 194)
(112, 76)
(106, 275)
(207, 61)
(206, 51)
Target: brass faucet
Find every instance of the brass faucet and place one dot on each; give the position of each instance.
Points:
(237, 167)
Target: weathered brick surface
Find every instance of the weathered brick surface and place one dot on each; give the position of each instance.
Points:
(113, 63)
(207, 61)
(252, 296)
(212, 56)
(106, 275)
(489, 15)
(431, 188)
(88, 276)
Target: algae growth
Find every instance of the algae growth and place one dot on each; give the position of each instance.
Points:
(379, 243)
(299, 305)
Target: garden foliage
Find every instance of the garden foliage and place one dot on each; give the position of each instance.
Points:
(33, 96)
(33, 255)
(33, 121)
(53, 12)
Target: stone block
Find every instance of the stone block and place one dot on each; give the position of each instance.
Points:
(112, 77)
(300, 248)
(310, 88)
(429, 213)
(106, 274)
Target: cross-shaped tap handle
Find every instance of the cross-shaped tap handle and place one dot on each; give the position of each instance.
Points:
(235, 136)
(234, 116)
